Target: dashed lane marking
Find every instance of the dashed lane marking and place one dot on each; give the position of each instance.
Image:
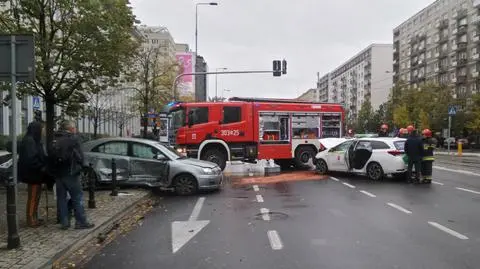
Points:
(275, 241)
(265, 214)
(349, 185)
(438, 183)
(400, 208)
(448, 230)
(334, 178)
(259, 198)
(368, 194)
(467, 190)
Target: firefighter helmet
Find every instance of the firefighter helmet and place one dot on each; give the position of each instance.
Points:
(403, 131)
(427, 133)
(410, 128)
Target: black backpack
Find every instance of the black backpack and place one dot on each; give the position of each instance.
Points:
(62, 152)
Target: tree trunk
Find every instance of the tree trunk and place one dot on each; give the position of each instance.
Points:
(50, 116)
(121, 129)
(145, 126)
(95, 128)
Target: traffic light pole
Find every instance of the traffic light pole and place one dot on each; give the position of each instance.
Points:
(174, 86)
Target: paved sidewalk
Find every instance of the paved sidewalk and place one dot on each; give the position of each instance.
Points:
(41, 246)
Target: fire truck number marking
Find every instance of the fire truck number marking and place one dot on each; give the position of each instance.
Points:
(230, 132)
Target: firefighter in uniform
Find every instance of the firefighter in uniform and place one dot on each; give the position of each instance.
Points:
(429, 144)
(403, 133)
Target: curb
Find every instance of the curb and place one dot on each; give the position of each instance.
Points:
(454, 153)
(94, 233)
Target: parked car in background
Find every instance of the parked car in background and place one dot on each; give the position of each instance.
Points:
(374, 157)
(143, 162)
(5, 166)
(454, 142)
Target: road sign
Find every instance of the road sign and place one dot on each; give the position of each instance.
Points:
(24, 57)
(452, 110)
(36, 102)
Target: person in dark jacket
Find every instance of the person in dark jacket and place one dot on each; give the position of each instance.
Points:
(414, 151)
(68, 177)
(32, 170)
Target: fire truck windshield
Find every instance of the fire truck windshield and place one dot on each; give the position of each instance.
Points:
(178, 118)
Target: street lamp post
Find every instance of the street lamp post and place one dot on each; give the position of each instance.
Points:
(196, 23)
(216, 80)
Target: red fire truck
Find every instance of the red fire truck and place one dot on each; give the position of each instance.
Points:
(251, 129)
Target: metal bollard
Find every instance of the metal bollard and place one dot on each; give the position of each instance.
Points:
(13, 239)
(91, 188)
(114, 178)
(459, 149)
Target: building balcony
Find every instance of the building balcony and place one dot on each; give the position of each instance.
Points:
(442, 24)
(461, 30)
(462, 45)
(462, 62)
(475, 74)
(443, 39)
(454, 47)
(460, 14)
(476, 38)
(454, 63)
(443, 69)
(461, 79)
(437, 54)
(475, 56)
(443, 54)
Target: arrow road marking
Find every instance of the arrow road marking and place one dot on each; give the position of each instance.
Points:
(259, 198)
(183, 231)
(255, 188)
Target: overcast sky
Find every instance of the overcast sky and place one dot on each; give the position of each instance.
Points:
(312, 35)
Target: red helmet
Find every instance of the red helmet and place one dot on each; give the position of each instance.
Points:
(384, 126)
(410, 128)
(427, 133)
(403, 131)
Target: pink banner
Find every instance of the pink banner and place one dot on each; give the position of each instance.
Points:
(185, 59)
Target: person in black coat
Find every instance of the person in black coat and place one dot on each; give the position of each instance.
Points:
(414, 151)
(32, 169)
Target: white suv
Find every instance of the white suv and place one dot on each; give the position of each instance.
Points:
(374, 157)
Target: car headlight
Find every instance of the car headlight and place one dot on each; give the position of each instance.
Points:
(7, 164)
(208, 171)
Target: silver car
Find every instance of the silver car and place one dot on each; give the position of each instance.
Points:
(149, 163)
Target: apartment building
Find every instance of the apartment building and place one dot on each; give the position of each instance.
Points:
(368, 74)
(318, 94)
(440, 44)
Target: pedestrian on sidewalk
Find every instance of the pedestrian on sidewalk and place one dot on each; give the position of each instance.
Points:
(414, 151)
(32, 170)
(67, 157)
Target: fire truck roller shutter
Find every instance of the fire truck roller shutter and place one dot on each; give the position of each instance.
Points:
(217, 151)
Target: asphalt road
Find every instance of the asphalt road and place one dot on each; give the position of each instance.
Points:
(342, 222)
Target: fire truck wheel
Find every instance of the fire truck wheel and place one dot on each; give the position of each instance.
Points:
(215, 156)
(303, 155)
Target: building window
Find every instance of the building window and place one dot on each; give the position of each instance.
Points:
(231, 114)
(199, 115)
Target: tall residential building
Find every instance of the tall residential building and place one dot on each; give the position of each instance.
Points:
(318, 94)
(440, 44)
(201, 80)
(366, 75)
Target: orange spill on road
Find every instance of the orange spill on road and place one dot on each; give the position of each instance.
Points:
(284, 177)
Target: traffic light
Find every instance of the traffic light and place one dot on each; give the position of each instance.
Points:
(277, 68)
(284, 67)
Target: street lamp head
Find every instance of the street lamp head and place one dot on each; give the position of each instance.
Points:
(213, 4)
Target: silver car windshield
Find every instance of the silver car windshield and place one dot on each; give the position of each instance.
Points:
(169, 152)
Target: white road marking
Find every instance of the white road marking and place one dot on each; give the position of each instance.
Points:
(256, 188)
(259, 198)
(456, 171)
(275, 241)
(334, 178)
(265, 214)
(196, 209)
(448, 230)
(438, 183)
(349, 185)
(467, 190)
(399, 208)
(368, 194)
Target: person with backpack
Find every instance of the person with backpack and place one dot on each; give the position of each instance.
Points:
(32, 170)
(68, 163)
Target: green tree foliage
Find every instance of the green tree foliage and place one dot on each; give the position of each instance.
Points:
(401, 116)
(76, 42)
(473, 122)
(365, 118)
(155, 72)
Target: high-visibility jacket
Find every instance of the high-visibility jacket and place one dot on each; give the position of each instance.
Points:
(428, 148)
